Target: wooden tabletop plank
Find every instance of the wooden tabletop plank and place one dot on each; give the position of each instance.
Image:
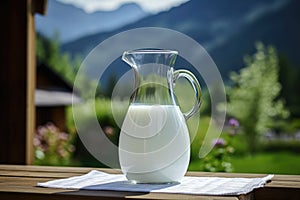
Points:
(39, 190)
(55, 174)
(119, 194)
(83, 170)
(16, 180)
(282, 184)
(30, 188)
(20, 182)
(45, 168)
(84, 195)
(39, 174)
(54, 169)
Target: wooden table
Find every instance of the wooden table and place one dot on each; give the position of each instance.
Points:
(19, 182)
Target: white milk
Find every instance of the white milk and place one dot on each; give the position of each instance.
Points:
(154, 144)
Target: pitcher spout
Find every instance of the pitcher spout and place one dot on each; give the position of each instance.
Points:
(129, 59)
(136, 58)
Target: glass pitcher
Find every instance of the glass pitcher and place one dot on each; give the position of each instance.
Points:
(154, 144)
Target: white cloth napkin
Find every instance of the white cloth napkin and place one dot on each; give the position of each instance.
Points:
(96, 180)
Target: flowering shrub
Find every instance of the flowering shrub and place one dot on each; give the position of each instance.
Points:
(52, 147)
(218, 160)
(234, 125)
(254, 95)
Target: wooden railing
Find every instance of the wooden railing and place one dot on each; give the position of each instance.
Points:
(19, 182)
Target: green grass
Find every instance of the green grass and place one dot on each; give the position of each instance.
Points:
(275, 158)
(264, 162)
(276, 163)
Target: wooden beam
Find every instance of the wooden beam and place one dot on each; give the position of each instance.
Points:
(13, 82)
(17, 80)
(40, 6)
(31, 81)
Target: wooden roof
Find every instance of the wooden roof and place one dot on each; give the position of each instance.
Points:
(52, 89)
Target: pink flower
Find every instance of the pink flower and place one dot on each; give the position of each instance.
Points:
(233, 122)
(220, 142)
(63, 136)
(71, 148)
(62, 152)
(36, 142)
(108, 130)
(234, 125)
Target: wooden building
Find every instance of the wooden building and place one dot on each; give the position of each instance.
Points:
(52, 95)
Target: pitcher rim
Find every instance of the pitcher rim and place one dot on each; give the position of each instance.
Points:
(151, 51)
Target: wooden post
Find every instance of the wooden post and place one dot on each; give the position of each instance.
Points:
(17, 80)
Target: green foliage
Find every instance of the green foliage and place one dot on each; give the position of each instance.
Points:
(185, 96)
(106, 117)
(262, 162)
(278, 145)
(199, 137)
(218, 160)
(253, 96)
(268, 162)
(111, 83)
(289, 78)
(48, 52)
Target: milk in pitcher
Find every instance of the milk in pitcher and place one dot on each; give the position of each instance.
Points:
(154, 144)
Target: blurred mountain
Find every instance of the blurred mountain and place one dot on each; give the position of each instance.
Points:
(72, 22)
(227, 29)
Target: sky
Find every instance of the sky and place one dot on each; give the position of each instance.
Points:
(151, 6)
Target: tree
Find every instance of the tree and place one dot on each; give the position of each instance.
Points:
(48, 52)
(253, 95)
(289, 77)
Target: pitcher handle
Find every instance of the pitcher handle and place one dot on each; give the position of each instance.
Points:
(196, 87)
